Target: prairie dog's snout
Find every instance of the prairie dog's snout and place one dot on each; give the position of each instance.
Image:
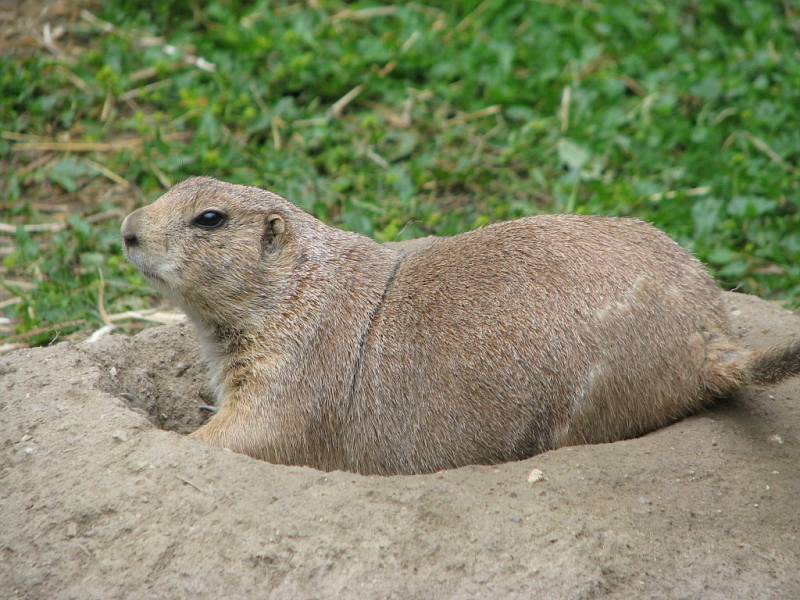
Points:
(142, 241)
(129, 229)
(134, 238)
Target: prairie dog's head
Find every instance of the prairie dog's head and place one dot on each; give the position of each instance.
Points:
(214, 247)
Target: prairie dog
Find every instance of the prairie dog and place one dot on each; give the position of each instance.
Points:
(330, 350)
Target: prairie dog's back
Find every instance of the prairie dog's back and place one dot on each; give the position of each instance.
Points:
(547, 301)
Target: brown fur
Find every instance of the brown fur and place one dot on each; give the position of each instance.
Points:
(330, 350)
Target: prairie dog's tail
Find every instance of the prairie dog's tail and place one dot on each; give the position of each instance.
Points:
(771, 366)
(729, 367)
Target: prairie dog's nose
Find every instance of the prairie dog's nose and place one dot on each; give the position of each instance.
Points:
(129, 229)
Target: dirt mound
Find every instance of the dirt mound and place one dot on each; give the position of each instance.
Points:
(102, 498)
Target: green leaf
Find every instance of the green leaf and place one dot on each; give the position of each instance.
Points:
(750, 207)
(705, 215)
(572, 155)
(66, 171)
(721, 256)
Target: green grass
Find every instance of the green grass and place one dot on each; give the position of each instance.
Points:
(683, 113)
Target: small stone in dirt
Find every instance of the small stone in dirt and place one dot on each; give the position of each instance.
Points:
(72, 529)
(113, 371)
(25, 438)
(5, 369)
(120, 436)
(535, 475)
(644, 500)
(776, 439)
(181, 368)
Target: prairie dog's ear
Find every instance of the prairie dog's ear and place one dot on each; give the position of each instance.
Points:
(274, 230)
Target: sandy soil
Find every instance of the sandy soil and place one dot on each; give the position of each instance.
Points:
(102, 497)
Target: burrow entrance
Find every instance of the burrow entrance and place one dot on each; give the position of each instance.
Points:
(160, 374)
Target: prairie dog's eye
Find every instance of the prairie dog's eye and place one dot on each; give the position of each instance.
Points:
(209, 219)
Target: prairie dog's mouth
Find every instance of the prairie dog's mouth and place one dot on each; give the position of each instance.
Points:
(151, 275)
(152, 272)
